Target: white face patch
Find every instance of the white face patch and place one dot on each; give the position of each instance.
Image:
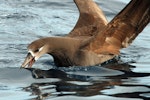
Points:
(36, 58)
(35, 55)
(31, 52)
(41, 49)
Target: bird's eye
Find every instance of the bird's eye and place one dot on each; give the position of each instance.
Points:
(36, 50)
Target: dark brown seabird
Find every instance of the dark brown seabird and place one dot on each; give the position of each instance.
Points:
(93, 40)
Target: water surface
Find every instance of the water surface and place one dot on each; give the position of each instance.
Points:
(22, 21)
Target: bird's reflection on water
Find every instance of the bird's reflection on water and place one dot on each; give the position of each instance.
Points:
(84, 85)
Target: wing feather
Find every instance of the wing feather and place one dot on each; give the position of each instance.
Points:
(123, 29)
(91, 19)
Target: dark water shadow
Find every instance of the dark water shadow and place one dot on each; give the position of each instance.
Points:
(71, 82)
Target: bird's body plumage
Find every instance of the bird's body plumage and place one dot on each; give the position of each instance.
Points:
(93, 40)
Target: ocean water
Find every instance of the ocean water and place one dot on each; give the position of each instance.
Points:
(22, 21)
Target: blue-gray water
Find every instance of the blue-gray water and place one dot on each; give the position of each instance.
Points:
(22, 21)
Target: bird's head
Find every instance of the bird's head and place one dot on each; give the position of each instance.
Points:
(35, 50)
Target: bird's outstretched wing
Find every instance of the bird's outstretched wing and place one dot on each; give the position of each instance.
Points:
(91, 19)
(122, 30)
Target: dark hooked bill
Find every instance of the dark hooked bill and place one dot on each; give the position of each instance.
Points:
(28, 62)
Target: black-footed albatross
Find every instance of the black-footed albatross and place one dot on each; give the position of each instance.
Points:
(93, 40)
